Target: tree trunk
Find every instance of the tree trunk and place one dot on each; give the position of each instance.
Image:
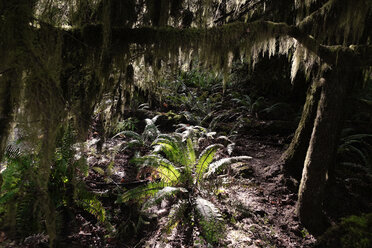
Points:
(321, 152)
(9, 95)
(294, 157)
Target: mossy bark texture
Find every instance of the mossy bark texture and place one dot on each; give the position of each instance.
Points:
(321, 151)
(9, 96)
(294, 157)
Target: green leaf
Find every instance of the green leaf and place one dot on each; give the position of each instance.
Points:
(190, 152)
(162, 194)
(220, 164)
(211, 221)
(8, 195)
(167, 171)
(134, 143)
(129, 134)
(172, 147)
(99, 170)
(141, 192)
(205, 159)
(151, 131)
(176, 214)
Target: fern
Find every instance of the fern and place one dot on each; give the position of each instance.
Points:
(130, 134)
(126, 125)
(90, 203)
(149, 134)
(94, 207)
(17, 194)
(210, 220)
(188, 131)
(172, 147)
(162, 194)
(220, 164)
(205, 159)
(356, 149)
(151, 131)
(142, 192)
(176, 214)
(167, 171)
(175, 161)
(12, 153)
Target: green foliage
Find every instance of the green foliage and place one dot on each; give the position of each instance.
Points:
(128, 124)
(91, 204)
(244, 101)
(196, 90)
(21, 213)
(174, 160)
(351, 232)
(220, 164)
(210, 220)
(149, 134)
(356, 149)
(205, 160)
(19, 209)
(64, 187)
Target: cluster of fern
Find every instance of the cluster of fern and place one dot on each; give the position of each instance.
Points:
(180, 172)
(21, 213)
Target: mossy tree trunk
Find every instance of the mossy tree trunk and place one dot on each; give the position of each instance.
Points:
(9, 95)
(294, 157)
(321, 151)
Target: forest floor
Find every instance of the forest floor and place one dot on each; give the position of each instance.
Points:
(256, 201)
(259, 208)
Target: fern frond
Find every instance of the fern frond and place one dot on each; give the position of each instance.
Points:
(99, 170)
(205, 159)
(176, 214)
(133, 143)
(130, 134)
(8, 196)
(171, 147)
(94, 207)
(357, 137)
(151, 131)
(355, 166)
(356, 147)
(190, 152)
(230, 148)
(220, 164)
(191, 132)
(141, 192)
(144, 106)
(162, 194)
(211, 221)
(359, 153)
(167, 171)
(207, 210)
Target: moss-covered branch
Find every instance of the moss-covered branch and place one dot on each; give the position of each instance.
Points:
(314, 17)
(226, 36)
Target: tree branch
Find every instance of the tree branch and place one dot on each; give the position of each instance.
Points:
(309, 20)
(232, 34)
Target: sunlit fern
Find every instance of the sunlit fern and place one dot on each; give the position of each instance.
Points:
(150, 133)
(181, 170)
(17, 194)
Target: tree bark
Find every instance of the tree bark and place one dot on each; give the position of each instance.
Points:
(321, 152)
(9, 95)
(294, 157)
